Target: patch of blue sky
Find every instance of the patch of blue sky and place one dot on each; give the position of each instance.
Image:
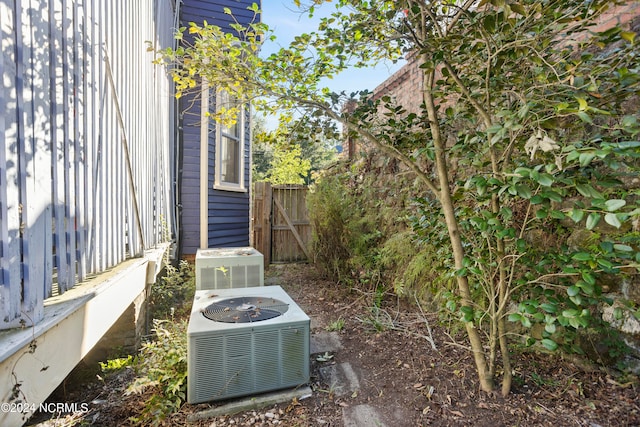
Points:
(286, 20)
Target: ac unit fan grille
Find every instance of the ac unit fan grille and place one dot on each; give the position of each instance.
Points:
(245, 309)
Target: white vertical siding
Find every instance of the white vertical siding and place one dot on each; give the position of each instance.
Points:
(10, 253)
(86, 140)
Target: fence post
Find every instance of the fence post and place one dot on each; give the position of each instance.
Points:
(262, 200)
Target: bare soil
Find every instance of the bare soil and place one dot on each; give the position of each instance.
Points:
(401, 375)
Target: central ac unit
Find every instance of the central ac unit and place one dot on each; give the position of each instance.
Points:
(245, 341)
(226, 268)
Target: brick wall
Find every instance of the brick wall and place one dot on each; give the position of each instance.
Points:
(406, 84)
(621, 15)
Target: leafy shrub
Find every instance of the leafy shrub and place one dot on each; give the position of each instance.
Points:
(161, 365)
(360, 232)
(172, 290)
(162, 368)
(328, 210)
(117, 364)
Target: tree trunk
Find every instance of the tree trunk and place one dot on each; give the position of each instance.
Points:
(484, 374)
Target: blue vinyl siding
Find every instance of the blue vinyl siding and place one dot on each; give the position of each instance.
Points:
(212, 11)
(228, 211)
(228, 223)
(190, 175)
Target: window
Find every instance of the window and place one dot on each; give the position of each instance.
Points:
(229, 160)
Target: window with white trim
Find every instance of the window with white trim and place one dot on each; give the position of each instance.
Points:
(229, 162)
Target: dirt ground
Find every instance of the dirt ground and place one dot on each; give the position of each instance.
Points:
(401, 375)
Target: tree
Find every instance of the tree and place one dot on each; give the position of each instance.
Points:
(526, 123)
(294, 151)
(261, 149)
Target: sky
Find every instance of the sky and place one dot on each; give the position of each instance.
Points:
(287, 22)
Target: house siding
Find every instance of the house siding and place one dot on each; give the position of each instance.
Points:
(213, 12)
(190, 175)
(228, 224)
(85, 147)
(228, 215)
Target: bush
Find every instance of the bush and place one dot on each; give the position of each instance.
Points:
(161, 365)
(161, 368)
(328, 205)
(361, 236)
(170, 292)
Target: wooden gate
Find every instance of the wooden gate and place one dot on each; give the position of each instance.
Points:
(281, 226)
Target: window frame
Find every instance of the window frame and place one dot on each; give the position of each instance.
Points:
(219, 183)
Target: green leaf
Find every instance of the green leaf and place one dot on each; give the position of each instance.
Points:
(582, 103)
(617, 313)
(586, 158)
(581, 256)
(552, 195)
(588, 278)
(629, 121)
(494, 128)
(549, 344)
(614, 204)
(612, 219)
(576, 299)
(607, 247)
(573, 290)
(514, 317)
(586, 287)
(622, 248)
(489, 23)
(451, 305)
(528, 307)
(578, 322)
(576, 214)
(588, 191)
(592, 220)
(467, 313)
(625, 145)
(584, 117)
(520, 10)
(523, 191)
(545, 180)
(605, 263)
(628, 36)
(549, 308)
(537, 199)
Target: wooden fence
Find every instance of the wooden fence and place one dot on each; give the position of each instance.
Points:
(85, 143)
(281, 227)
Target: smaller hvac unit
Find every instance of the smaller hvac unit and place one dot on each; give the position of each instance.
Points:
(245, 341)
(227, 268)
